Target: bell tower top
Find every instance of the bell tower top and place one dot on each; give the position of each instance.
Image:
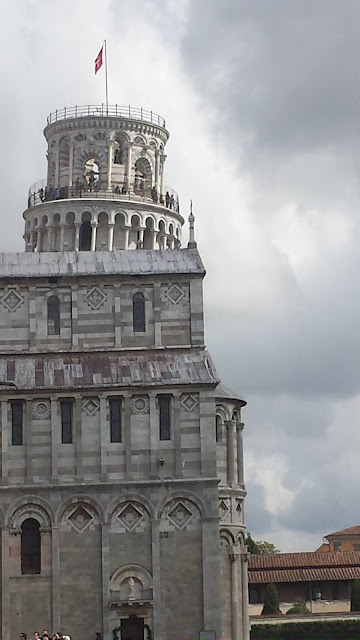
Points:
(105, 183)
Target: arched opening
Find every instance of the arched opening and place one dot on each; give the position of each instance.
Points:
(69, 232)
(102, 232)
(119, 232)
(218, 428)
(43, 233)
(134, 234)
(92, 174)
(30, 547)
(160, 238)
(138, 312)
(53, 316)
(149, 234)
(85, 233)
(143, 176)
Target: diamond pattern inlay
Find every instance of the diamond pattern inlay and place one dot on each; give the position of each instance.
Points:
(12, 300)
(174, 294)
(95, 298)
(130, 517)
(189, 402)
(80, 519)
(180, 516)
(91, 406)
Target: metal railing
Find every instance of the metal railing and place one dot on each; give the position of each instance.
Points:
(103, 111)
(40, 193)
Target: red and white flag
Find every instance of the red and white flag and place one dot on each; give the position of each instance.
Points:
(99, 60)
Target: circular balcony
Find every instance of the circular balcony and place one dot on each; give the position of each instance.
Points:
(140, 192)
(106, 111)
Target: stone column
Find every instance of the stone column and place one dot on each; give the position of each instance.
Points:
(94, 225)
(110, 163)
(111, 236)
(27, 430)
(240, 454)
(104, 438)
(49, 238)
(141, 237)
(157, 314)
(211, 574)
(6, 439)
(234, 560)
(78, 437)
(154, 438)
(105, 557)
(55, 439)
(5, 583)
(77, 235)
(156, 563)
(56, 622)
(71, 163)
(57, 167)
(157, 172)
(230, 452)
(127, 231)
(129, 164)
(161, 177)
(127, 438)
(177, 435)
(244, 593)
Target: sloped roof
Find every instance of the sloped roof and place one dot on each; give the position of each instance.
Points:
(49, 371)
(350, 531)
(222, 392)
(93, 263)
(303, 567)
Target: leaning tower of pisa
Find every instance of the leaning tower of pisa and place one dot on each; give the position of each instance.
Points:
(121, 464)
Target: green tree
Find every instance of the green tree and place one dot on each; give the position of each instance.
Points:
(355, 595)
(271, 601)
(260, 546)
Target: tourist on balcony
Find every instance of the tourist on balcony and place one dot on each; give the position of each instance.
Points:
(172, 201)
(154, 194)
(167, 199)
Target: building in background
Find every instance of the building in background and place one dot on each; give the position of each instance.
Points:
(343, 540)
(122, 488)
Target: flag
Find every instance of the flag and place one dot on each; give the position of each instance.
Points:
(99, 60)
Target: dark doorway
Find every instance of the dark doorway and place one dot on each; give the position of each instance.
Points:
(85, 236)
(132, 628)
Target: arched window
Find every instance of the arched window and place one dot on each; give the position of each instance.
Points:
(85, 236)
(138, 312)
(30, 546)
(218, 428)
(53, 316)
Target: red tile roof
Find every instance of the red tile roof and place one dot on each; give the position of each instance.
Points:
(350, 531)
(303, 567)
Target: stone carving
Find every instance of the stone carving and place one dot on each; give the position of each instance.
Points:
(174, 294)
(189, 402)
(140, 404)
(131, 588)
(180, 515)
(12, 299)
(130, 517)
(90, 406)
(80, 519)
(41, 409)
(224, 509)
(95, 298)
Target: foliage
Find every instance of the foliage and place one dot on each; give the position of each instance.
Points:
(355, 595)
(298, 608)
(260, 546)
(319, 630)
(271, 601)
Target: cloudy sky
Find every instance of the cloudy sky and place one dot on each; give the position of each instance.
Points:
(262, 99)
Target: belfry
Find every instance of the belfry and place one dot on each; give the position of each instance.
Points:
(122, 487)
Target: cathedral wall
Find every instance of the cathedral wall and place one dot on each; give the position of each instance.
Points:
(30, 604)
(94, 315)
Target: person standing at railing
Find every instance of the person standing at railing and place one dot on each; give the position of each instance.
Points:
(167, 199)
(154, 194)
(172, 201)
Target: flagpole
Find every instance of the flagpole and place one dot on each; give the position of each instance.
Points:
(106, 80)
